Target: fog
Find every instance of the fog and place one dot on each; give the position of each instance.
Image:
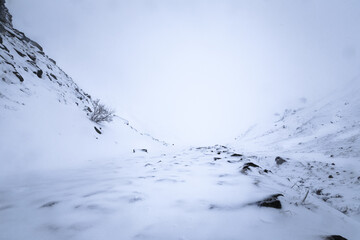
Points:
(198, 72)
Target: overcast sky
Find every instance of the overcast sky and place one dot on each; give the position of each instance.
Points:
(198, 71)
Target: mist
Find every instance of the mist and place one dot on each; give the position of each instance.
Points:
(198, 72)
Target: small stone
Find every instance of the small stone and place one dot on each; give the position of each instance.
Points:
(246, 167)
(39, 73)
(19, 76)
(250, 164)
(97, 130)
(49, 204)
(318, 192)
(279, 160)
(236, 155)
(143, 150)
(331, 176)
(334, 237)
(271, 202)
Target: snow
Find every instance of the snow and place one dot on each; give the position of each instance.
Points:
(61, 179)
(46, 134)
(330, 126)
(166, 196)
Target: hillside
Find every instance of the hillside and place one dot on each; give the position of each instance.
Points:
(63, 176)
(330, 126)
(44, 114)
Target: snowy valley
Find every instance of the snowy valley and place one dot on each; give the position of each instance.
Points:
(63, 176)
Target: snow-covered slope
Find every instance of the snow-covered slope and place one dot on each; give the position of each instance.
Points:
(239, 191)
(321, 145)
(330, 126)
(44, 113)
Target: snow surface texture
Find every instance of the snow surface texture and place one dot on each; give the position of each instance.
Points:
(195, 194)
(61, 179)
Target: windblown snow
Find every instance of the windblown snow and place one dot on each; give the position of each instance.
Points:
(65, 177)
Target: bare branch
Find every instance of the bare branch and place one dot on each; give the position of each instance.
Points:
(101, 113)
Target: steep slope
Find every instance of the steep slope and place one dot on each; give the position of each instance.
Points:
(43, 112)
(330, 126)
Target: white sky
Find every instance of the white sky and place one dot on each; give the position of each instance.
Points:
(198, 71)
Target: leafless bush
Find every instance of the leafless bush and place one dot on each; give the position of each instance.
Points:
(101, 113)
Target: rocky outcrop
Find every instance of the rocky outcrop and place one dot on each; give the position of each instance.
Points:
(5, 16)
(24, 66)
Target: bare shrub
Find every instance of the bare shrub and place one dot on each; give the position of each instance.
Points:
(101, 113)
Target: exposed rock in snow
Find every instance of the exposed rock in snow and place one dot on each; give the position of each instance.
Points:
(271, 202)
(279, 160)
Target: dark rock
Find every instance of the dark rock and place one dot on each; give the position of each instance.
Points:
(216, 158)
(52, 60)
(53, 76)
(87, 95)
(331, 176)
(5, 16)
(279, 160)
(20, 53)
(318, 192)
(334, 237)
(213, 206)
(2, 29)
(141, 150)
(250, 164)
(97, 130)
(32, 57)
(271, 202)
(247, 167)
(331, 156)
(236, 155)
(39, 73)
(35, 44)
(10, 64)
(49, 204)
(5, 48)
(18, 76)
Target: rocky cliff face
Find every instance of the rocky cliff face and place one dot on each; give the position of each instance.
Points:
(24, 67)
(5, 16)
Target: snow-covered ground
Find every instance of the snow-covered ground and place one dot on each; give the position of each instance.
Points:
(330, 126)
(62, 179)
(189, 194)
